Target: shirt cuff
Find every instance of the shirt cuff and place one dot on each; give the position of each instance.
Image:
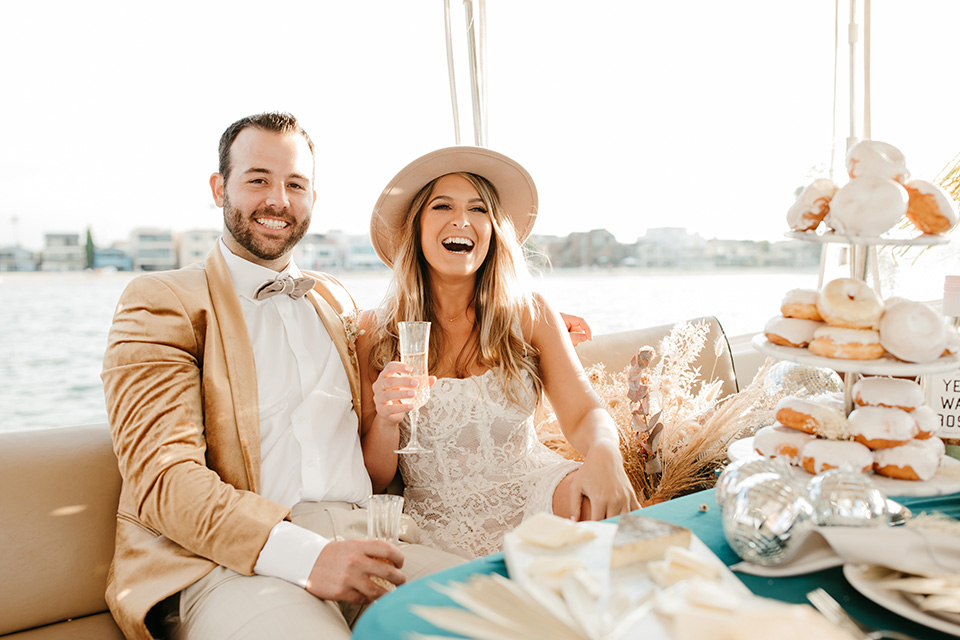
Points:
(290, 553)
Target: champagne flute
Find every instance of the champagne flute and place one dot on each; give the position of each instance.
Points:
(414, 346)
(383, 523)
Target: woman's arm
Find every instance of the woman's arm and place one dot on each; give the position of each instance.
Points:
(381, 408)
(584, 422)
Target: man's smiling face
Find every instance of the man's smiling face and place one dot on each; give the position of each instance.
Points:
(268, 197)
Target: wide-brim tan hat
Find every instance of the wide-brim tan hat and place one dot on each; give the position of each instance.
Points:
(515, 188)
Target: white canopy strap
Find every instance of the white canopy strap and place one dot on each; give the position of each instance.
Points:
(476, 48)
(450, 72)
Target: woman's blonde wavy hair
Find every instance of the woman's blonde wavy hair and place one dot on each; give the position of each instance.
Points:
(500, 299)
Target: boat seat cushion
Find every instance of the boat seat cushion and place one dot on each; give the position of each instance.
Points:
(59, 490)
(615, 350)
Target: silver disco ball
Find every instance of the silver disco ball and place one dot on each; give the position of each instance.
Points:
(735, 473)
(768, 519)
(847, 498)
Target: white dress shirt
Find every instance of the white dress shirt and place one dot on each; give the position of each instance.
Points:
(309, 445)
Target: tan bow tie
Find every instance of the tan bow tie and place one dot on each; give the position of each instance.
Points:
(293, 287)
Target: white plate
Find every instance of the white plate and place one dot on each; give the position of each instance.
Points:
(885, 366)
(632, 581)
(892, 237)
(942, 483)
(895, 602)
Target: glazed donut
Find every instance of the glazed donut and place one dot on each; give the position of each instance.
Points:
(930, 209)
(801, 303)
(850, 303)
(906, 395)
(812, 417)
(777, 441)
(790, 332)
(819, 455)
(846, 344)
(811, 205)
(867, 207)
(911, 461)
(935, 444)
(913, 332)
(928, 421)
(876, 159)
(881, 428)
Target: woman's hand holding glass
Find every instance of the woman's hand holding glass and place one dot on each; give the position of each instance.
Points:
(395, 392)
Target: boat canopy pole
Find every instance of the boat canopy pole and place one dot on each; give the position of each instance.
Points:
(866, 70)
(852, 37)
(476, 46)
(450, 73)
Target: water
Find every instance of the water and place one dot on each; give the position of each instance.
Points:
(55, 325)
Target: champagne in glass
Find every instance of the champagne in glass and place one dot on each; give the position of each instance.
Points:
(414, 348)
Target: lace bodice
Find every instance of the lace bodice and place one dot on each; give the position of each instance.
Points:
(487, 469)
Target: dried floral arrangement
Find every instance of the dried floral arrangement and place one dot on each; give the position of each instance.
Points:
(674, 430)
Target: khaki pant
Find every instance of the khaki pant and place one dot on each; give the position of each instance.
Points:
(227, 605)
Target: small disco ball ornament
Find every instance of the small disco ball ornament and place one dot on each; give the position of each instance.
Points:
(846, 498)
(768, 519)
(735, 473)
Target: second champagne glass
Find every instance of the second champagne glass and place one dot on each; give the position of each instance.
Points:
(414, 348)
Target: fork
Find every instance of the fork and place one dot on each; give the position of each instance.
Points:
(832, 611)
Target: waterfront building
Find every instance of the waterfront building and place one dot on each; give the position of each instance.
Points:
(152, 249)
(63, 252)
(16, 258)
(112, 258)
(193, 246)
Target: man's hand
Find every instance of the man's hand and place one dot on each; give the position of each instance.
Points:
(578, 328)
(343, 570)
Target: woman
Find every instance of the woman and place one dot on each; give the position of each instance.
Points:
(450, 225)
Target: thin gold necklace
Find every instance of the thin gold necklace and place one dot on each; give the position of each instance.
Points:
(459, 315)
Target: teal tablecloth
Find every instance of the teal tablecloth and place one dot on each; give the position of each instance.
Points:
(390, 616)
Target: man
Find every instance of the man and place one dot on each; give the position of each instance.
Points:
(234, 415)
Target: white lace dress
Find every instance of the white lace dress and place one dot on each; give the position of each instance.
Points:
(487, 470)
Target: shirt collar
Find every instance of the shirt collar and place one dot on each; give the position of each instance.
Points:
(247, 276)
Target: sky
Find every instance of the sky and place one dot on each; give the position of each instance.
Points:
(629, 114)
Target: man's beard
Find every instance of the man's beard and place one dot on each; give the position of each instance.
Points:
(241, 227)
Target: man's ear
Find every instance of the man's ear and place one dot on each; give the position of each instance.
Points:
(216, 186)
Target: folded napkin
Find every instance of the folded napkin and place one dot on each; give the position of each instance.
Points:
(908, 549)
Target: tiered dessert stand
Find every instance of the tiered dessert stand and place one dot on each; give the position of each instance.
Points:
(861, 250)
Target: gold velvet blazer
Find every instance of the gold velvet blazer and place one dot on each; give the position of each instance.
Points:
(181, 395)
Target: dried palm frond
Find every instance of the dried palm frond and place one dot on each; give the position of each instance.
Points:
(674, 432)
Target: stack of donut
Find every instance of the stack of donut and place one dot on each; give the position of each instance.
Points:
(890, 432)
(847, 320)
(878, 195)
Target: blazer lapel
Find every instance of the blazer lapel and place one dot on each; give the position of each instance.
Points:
(238, 355)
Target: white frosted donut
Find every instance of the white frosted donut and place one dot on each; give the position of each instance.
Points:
(801, 303)
(911, 461)
(850, 303)
(811, 416)
(930, 208)
(888, 392)
(846, 344)
(935, 444)
(867, 207)
(790, 332)
(811, 205)
(778, 441)
(928, 422)
(913, 332)
(820, 455)
(881, 428)
(877, 159)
